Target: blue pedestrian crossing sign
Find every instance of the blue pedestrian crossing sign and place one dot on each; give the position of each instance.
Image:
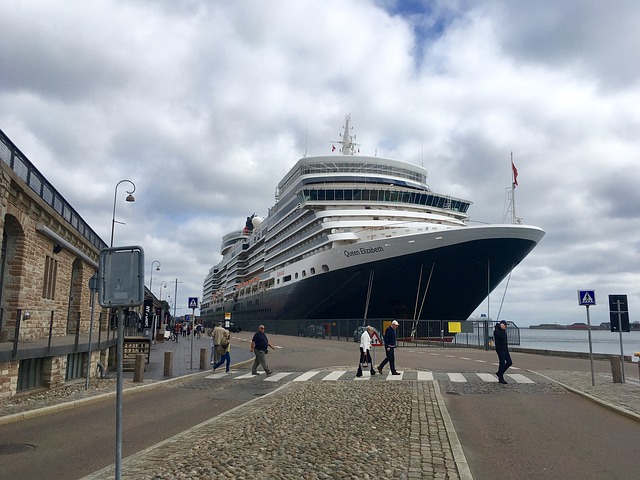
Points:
(586, 297)
(193, 302)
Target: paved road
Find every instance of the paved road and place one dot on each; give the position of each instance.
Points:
(532, 428)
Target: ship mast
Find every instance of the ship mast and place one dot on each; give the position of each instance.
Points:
(349, 147)
(511, 196)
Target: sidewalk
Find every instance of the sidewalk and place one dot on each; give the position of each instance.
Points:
(36, 404)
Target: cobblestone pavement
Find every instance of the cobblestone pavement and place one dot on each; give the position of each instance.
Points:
(336, 436)
(284, 435)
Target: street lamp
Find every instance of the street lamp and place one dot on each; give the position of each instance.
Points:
(162, 285)
(151, 279)
(130, 198)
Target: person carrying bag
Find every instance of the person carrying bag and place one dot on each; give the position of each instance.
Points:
(365, 351)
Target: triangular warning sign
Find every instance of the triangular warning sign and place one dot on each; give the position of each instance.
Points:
(375, 340)
(193, 303)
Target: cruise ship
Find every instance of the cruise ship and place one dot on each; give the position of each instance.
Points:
(352, 236)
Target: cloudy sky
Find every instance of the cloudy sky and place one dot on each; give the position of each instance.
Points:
(204, 105)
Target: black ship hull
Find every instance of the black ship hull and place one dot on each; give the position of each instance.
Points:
(446, 283)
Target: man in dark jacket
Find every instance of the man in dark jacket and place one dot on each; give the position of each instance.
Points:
(389, 347)
(502, 349)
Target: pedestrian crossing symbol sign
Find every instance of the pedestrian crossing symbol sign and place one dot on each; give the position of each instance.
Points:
(586, 297)
(193, 302)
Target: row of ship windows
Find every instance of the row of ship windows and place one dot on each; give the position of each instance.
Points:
(312, 271)
(356, 167)
(375, 195)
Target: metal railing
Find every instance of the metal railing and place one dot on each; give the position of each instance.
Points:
(20, 164)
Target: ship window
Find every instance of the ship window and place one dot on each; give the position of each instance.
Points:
(287, 278)
(304, 273)
(325, 268)
(296, 275)
(312, 270)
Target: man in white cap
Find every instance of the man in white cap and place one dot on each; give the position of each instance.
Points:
(389, 347)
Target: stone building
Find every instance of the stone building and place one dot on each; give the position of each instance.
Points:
(48, 256)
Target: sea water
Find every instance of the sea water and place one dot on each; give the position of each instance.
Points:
(602, 341)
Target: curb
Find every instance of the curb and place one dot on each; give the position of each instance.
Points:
(599, 401)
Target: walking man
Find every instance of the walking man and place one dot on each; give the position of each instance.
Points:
(217, 334)
(389, 347)
(502, 349)
(260, 347)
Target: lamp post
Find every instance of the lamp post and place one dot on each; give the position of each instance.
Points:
(162, 285)
(153, 310)
(151, 276)
(130, 198)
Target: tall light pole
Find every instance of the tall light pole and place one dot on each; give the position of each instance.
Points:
(162, 285)
(130, 198)
(151, 276)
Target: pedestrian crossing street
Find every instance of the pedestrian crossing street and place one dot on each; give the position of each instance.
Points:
(350, 375)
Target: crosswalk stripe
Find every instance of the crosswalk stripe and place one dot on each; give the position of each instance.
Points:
(519, 378)
(305, 376)
(335, 375)
(487, 377)
(276, 376)
(365, 376)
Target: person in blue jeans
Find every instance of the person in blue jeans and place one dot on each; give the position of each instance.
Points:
(226, 356)
(502, 349)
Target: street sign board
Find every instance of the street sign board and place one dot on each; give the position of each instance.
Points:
(121, 277)
(619, 313)
(375, 340)
(193, 302)
(586, 297)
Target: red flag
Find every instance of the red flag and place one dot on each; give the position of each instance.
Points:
(515, 174)
(333, 148)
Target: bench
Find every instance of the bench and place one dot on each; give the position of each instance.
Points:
(134, 346)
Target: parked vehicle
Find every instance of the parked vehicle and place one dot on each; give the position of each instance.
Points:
(314, 331)
(234, 328)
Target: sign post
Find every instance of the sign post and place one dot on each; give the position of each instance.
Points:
(193, 304)
(120, 284)
(619, 319)
(588, 298)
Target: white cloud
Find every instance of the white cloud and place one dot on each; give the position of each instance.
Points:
(206, 105)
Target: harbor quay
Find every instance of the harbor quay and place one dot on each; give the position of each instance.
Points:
(317, 421)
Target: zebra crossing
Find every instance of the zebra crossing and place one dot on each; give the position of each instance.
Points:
(348, 375)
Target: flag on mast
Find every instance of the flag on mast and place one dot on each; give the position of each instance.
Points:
(515, 172)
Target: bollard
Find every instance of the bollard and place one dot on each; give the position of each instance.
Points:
(203, 359)
(616, 369)
(138, 369)
(637, 354)
(168, 364)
